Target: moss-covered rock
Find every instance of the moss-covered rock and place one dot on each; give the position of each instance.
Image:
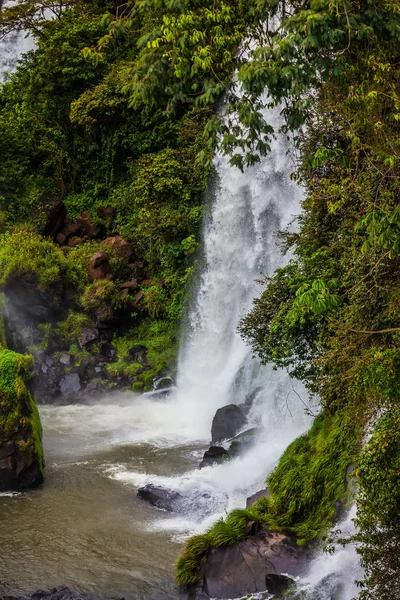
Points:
(308, 489)
(21, 451)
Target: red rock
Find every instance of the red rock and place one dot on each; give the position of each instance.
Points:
(99, 267)
(70, 228)
(61, 238)
(85, 222)
(138, 297)
(106, 212)
(123, 248)
(129, 285)
(75, 241)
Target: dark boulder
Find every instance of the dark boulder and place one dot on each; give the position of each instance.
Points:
(243, 441)
(87, 335)
(55, 213)
(159, 497)
(263, 561)
(227, 422)
(214, 456)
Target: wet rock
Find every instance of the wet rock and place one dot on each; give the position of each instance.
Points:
(264, 561)
(123, 248)
(159, 497)
(70, 384)
(87, 335)
(55, 212)
(214, 456)
(243, 441)
(21, 454)
(60, 592)
(256, 496)
(99, 267)
(227, 421)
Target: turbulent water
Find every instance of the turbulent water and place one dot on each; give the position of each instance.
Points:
(85, 527)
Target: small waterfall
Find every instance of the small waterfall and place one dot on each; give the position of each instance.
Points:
(12, 47)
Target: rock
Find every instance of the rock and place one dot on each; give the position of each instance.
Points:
(99, 267)
(242, 442)
(129, 285)
(60, 592)
(106, 212)
(70, 384)
(85, 222)
(256, 496)
(65, 358)
(123, 248)
(61, 238)
(70, 228)
(87, 335)
(137, 299)
(159, 497)
(227, 421)
(263, 561)
(213, 456)
(75, 241)
(55, 212)
(21, 452)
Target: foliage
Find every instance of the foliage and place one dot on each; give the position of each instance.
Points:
(305, 488)
(378, 508)
(17, 407)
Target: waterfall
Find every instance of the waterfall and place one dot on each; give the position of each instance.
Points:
(12, 46)
(215, 366)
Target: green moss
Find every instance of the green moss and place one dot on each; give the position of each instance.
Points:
(305, 487)
(14, 400)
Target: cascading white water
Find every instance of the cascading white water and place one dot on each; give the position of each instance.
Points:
(215, 365)
(11, 48)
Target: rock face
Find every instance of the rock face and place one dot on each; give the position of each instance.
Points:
(21, 453)
(243, 441)
(159, 497)
(263, 561)
(227, 422)
(60, 592)
(256, 496)
(213, 456)
(99, 267)
(55, 212)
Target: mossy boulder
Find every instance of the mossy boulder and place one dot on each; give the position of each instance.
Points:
(21, 451)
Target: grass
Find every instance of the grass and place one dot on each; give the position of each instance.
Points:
(305, 489)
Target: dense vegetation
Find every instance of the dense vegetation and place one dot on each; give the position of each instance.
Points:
(115, 108)
(20, 426)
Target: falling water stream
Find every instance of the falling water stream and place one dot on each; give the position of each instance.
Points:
(85, 527)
